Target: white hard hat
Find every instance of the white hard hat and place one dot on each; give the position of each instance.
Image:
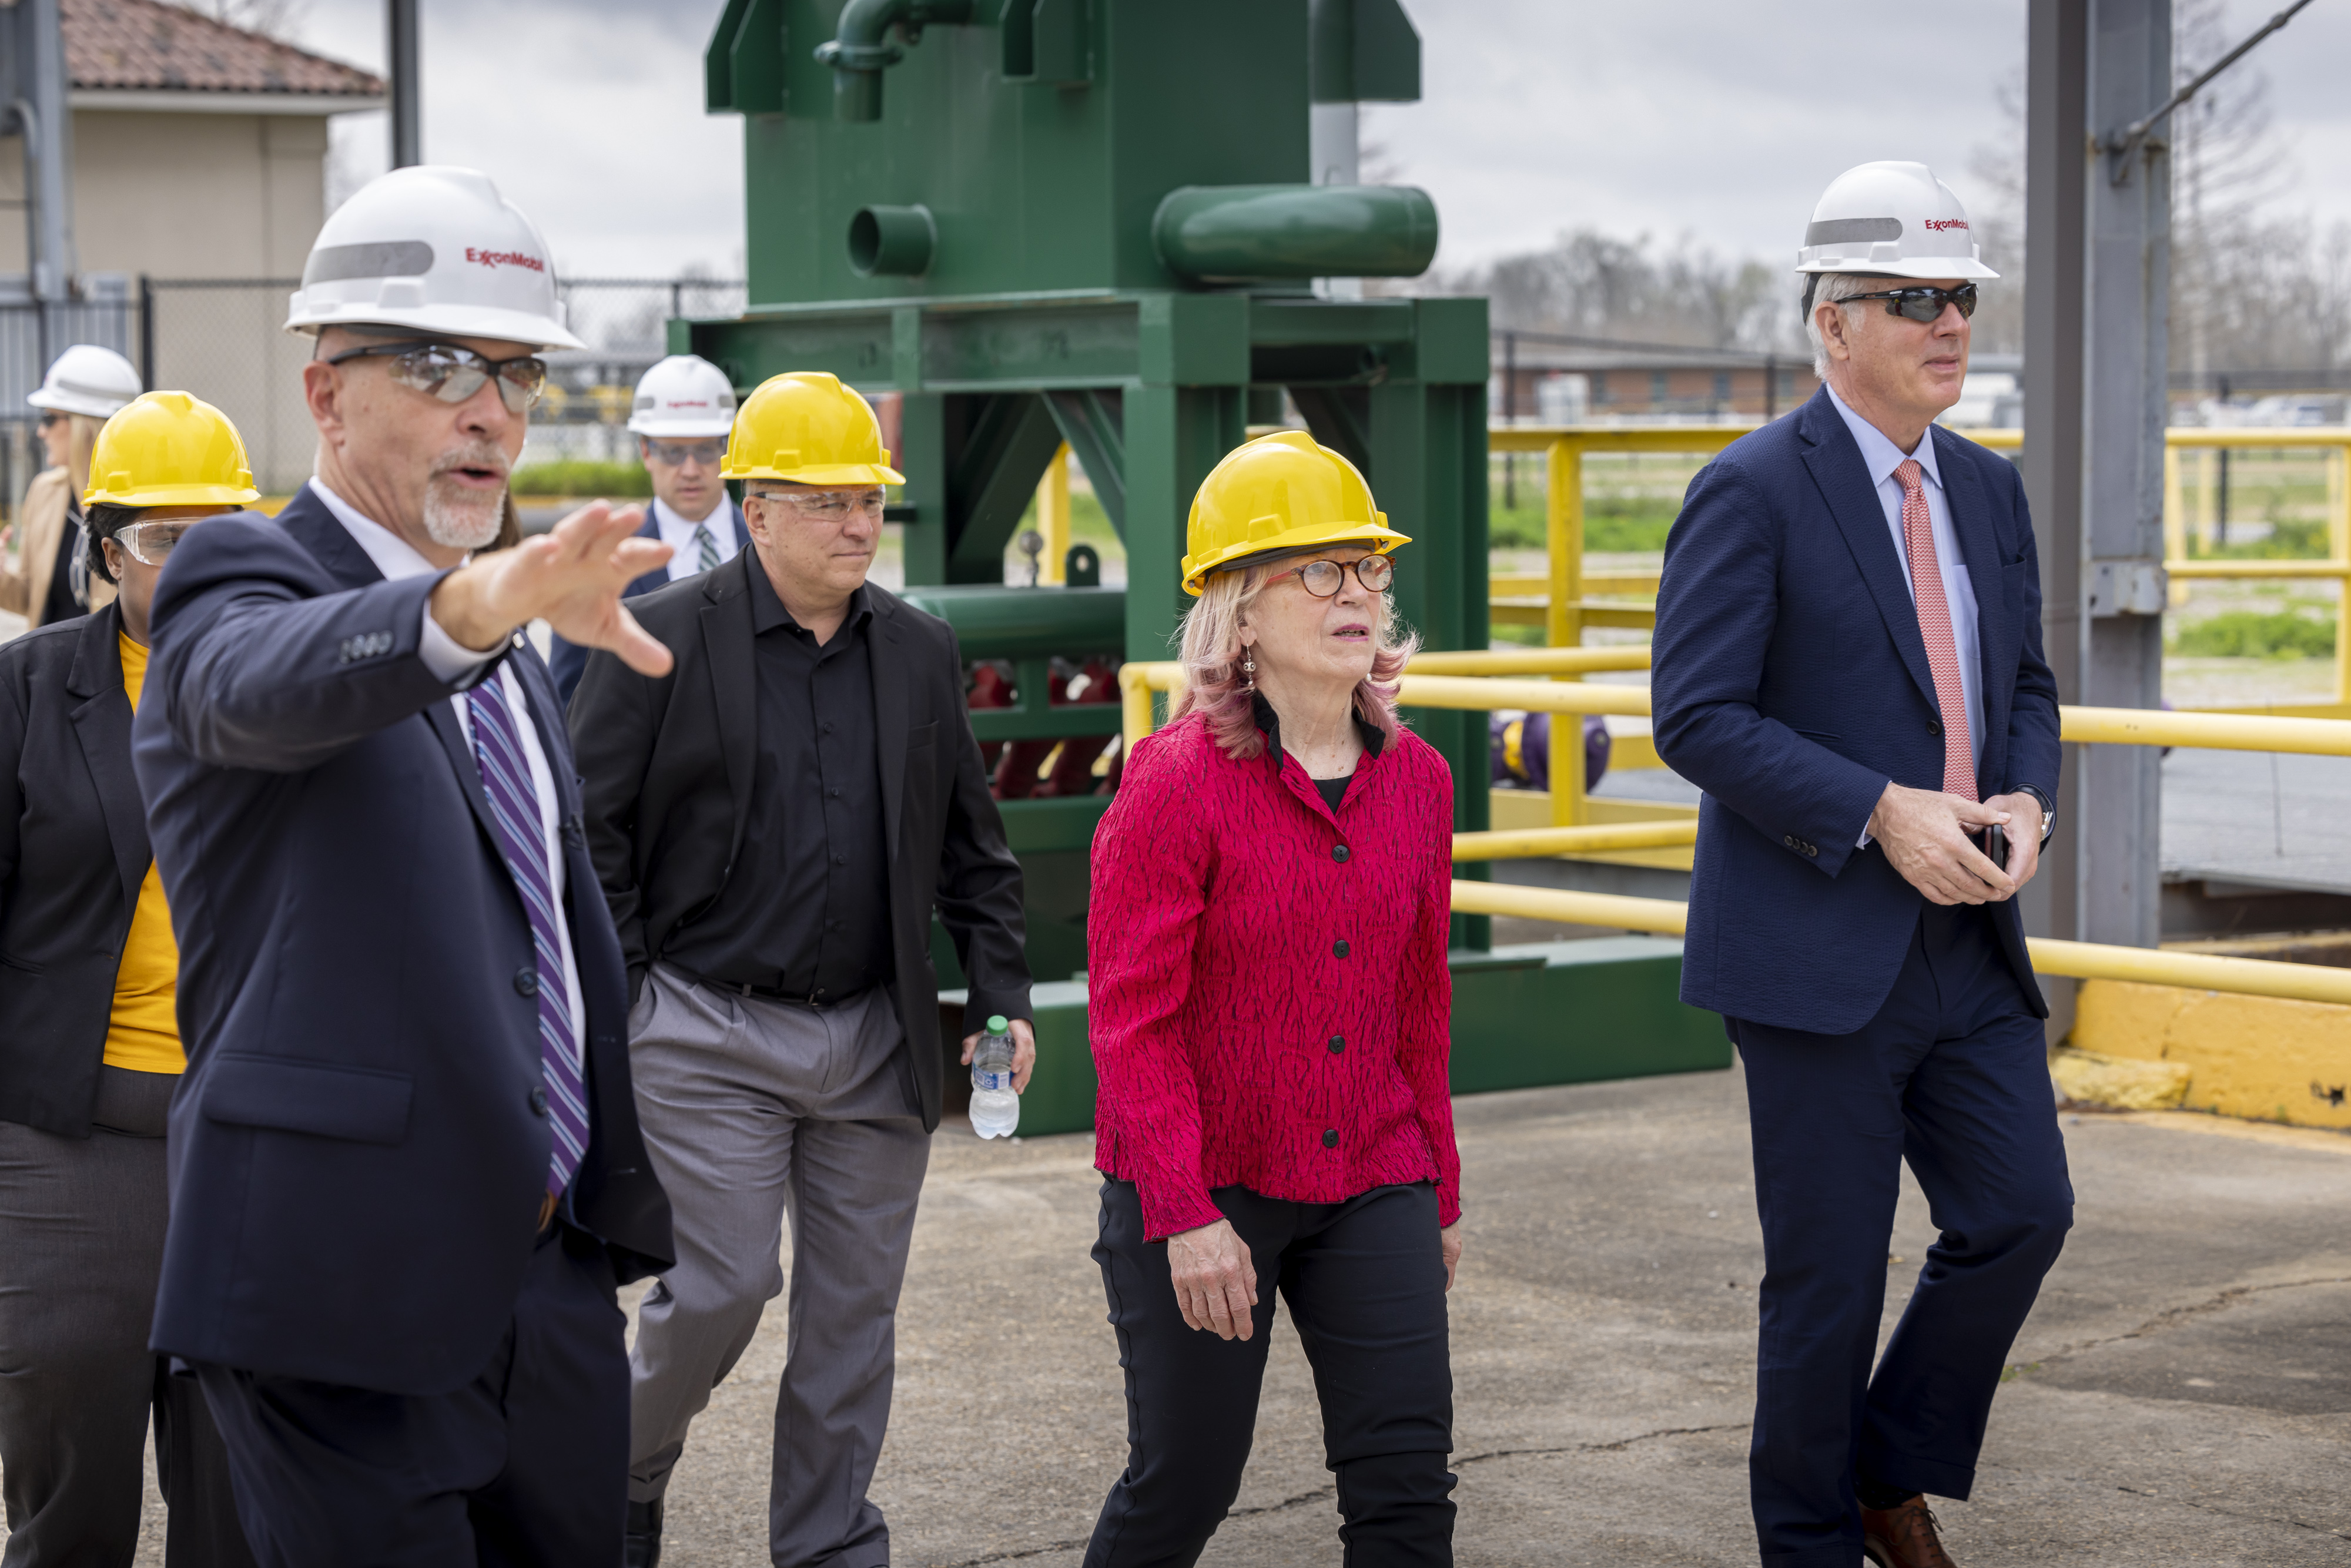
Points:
(436, 249)
(683, 395)
(1896, 220)
(86, 379)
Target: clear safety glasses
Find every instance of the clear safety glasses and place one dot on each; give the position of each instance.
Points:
(1922, 305)
(152, 543)
(678, 453)
(1323, 579)
(827, 508)
(453, 374)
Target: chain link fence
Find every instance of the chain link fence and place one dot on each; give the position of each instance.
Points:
(225, 340)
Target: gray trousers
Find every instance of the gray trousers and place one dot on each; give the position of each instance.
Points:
(81, 1244)
(755, 1110)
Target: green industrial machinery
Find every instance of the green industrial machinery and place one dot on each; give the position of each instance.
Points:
(1095, 222)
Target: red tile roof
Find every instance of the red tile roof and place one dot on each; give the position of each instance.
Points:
(145, 46)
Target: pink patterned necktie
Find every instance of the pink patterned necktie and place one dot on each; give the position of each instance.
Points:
(1935, 626)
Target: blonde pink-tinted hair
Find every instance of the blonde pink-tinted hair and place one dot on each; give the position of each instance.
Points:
(1214, 686)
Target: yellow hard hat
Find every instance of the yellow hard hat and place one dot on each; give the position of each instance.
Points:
(168, 449)
(1280, 492)
(806, 427)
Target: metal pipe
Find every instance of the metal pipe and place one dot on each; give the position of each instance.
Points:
(1296, 231)
(2128, 141)
(860, 47)
(1530, 661)
(1509, 844)
(403, 56)
(2078, 960)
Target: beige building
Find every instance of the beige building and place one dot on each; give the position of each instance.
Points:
(199, 153)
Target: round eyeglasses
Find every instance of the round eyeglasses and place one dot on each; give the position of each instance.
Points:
(1323, 579)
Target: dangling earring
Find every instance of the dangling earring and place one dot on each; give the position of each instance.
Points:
(1249, 671)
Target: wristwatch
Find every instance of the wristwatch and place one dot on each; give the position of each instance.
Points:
(2048, 810)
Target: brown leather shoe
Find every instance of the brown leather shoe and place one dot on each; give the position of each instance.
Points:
(1903, 1536)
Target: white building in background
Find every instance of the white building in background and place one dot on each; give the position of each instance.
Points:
(199, 153)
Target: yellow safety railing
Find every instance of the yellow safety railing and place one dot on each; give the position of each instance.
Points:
(1568, 598)
(1138, 681)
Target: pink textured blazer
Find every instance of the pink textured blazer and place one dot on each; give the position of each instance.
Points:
(1266, 980)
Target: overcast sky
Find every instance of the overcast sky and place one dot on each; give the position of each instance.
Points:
(1716, 119)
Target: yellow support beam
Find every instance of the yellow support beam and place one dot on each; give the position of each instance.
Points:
(2080, 960)
(1053, 519)
(1509, 845)
(1474, 692)
(1530, 661)
(2257, 569)
(2208, 731)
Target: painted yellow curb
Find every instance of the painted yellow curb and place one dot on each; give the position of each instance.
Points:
(2261, 1058)
(2120, 1081)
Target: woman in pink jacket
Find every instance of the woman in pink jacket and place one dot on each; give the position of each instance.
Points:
(1269, 1008)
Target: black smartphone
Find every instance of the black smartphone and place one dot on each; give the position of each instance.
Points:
(1995, 845)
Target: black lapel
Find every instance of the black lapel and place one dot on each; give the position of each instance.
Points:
(885, 649)
(102, 723)
(318, 531)
(1836, 468)
(726, 647)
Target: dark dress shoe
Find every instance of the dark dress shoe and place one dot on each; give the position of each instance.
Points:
(1903, 1536)
(640, 1547)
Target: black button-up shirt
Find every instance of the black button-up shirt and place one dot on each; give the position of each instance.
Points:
(806, 909)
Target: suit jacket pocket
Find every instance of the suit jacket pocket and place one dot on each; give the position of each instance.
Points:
(922, 735)
(364, 1105)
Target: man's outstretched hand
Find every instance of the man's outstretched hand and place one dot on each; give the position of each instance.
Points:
(1925, 835)
(572, 577)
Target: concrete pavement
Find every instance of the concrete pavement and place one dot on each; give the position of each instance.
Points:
(2182, 1396)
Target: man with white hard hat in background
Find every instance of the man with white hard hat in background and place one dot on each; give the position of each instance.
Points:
(407, 1178)
(683, 411)
(1848, 662)
(52, 581)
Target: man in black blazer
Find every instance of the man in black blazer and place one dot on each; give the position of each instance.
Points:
(775, 820)
(407, 1177)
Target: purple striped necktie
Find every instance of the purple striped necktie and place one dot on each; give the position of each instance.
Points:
(522, 844)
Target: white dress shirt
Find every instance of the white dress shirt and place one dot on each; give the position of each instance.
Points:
(1881, 457)
(451, 661)
(685, 556)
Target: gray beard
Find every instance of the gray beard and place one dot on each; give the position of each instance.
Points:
(462, 525)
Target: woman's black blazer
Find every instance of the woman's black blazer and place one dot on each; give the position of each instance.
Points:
(73, 851)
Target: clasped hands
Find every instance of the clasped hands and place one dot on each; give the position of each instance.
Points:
(1925, 835)
(1216, 1284)
(572, 577)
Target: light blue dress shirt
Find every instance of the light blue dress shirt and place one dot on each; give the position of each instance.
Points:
(1881, 457)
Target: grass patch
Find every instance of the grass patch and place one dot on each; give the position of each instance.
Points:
(1611, 525)
(2252, 634)
(574, 477)
(2290, 538)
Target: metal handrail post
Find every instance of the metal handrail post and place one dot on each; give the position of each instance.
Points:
(2339, 535)
(1563, 530)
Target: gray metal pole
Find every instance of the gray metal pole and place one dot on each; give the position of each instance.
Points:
(52, 148)
(2126, 386)
(2057, 165)
(402, 55)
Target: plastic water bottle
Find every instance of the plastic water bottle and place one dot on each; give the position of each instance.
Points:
(995, 1108)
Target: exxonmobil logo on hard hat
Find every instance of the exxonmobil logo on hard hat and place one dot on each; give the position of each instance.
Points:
(496, 259)
(689, 402)
(1940, 224)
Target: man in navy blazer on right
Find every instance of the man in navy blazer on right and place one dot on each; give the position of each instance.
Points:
(1848, 662)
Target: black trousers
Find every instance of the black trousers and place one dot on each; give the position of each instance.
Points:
(525, 1466)
(1952, 1076)
(81, 1244)
(1365, 1285)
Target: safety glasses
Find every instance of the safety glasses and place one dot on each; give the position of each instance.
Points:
(453, 374)
(1323, 579)
(152, 543)
(678, 453)
(49, 416)
(1921, 305)
(829, 507)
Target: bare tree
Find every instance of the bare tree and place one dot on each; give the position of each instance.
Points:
(1594, 284)
(272, 19)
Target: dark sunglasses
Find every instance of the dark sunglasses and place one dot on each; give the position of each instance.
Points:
(1921, 305)
(678, 453)
(453, 374)
(49, 416)
(1323, 579)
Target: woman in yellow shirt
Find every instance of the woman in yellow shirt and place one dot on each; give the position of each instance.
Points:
(90, 1046)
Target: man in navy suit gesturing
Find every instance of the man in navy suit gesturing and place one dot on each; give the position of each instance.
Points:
(1848, 663)
(406, 1175)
